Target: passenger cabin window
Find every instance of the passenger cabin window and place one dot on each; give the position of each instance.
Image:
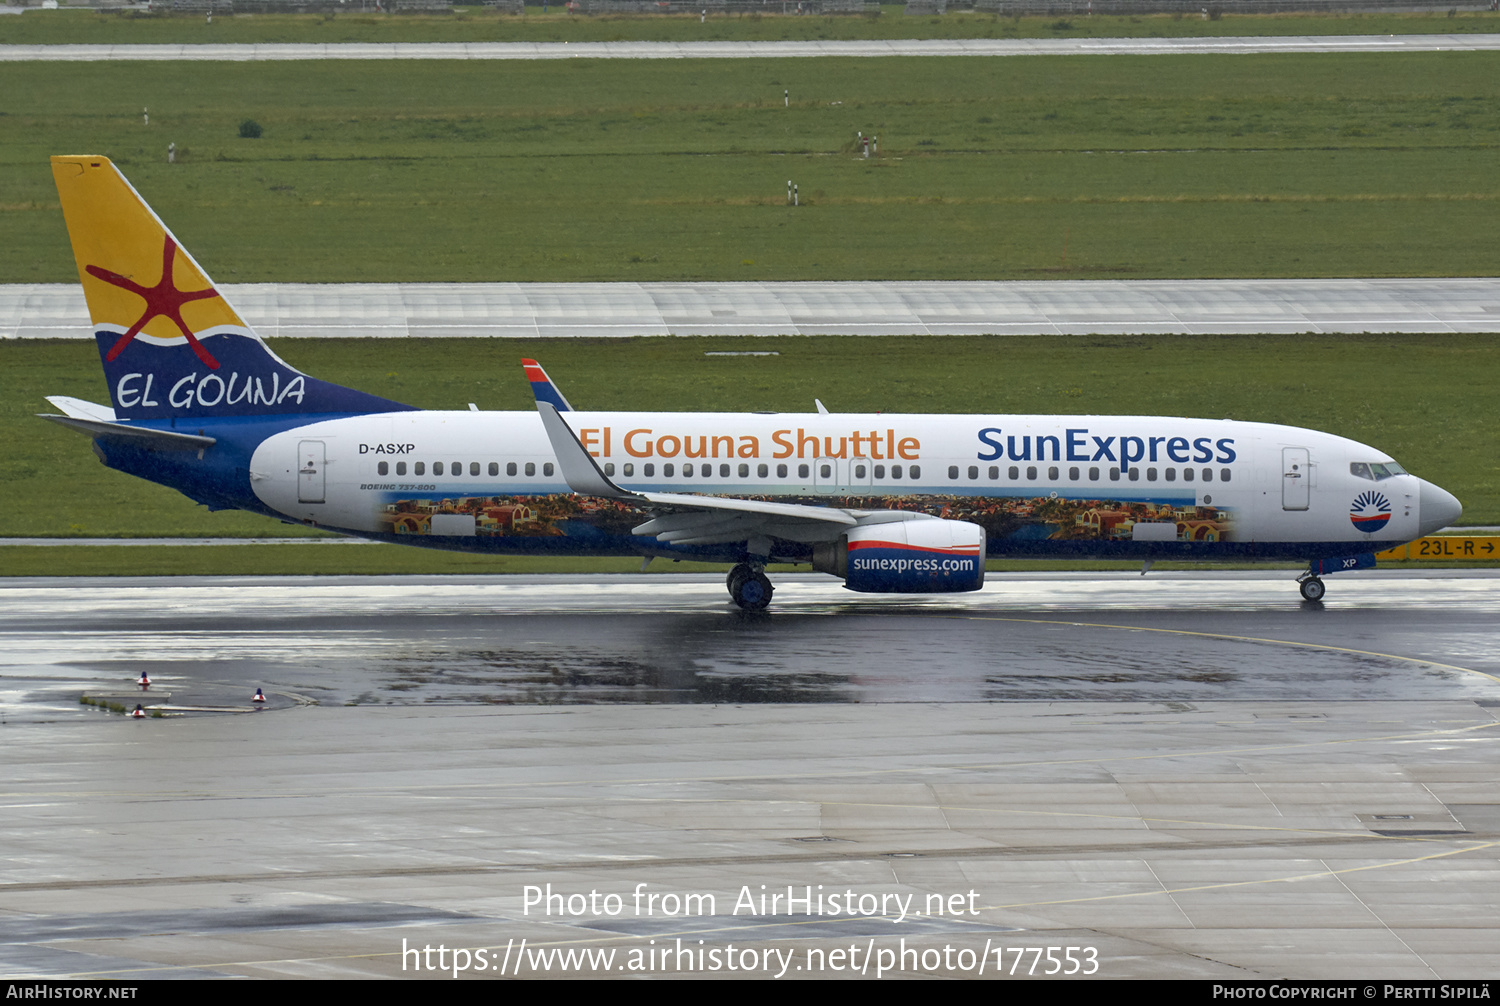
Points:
(781, 471)
(896, 471)
(723, 471)
(1223, 474)
(1187, 475)
(1031, 473)
(648, 470)
(973, 472)
(667, 470)
(629, 470)
(915, 471)
(824, 471)
(384, 468)
(530, 468)
(1072, 474)
(510, 468)
(437, 468)
(400, 467)
(859, 471)
(687, 471)
(1114, 474)
(609, 468)
(953, 471)
(474, 468)
(880, 471)
(744, 471)
(802, 471)
(418, 468)
(1093, 475)
(1014, 473)
(762, 471)
(494, 468)
(1134, 475)
(1052, 473)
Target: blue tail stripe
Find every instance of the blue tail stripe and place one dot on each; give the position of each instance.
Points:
(153, 381)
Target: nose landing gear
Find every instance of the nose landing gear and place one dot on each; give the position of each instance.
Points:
(1312, 588)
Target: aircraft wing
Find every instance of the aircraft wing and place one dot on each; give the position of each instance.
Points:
(705, 520)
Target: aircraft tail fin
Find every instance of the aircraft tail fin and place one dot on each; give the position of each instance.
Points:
(543, 387)
(171, 345)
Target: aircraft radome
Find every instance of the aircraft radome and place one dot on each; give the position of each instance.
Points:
(890, 503)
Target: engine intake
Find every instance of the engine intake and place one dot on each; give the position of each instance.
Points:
(907, 557)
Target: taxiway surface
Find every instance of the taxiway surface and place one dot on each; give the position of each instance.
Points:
(1193, 774)
(753, 50)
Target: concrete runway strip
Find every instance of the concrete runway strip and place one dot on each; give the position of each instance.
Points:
(754, 50)
(1062, 307)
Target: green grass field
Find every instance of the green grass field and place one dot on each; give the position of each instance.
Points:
(475, 24)
(1427, 400)
(1036, 167)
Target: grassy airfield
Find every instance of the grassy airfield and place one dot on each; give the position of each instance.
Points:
(1037, 167)
(1130, 167)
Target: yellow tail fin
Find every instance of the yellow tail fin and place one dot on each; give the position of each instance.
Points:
(136, 278)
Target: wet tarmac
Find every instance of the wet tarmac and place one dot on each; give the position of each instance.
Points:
(655, 639)
(1183, 775)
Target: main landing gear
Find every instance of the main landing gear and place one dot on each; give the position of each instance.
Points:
(749, 586)
(1312, 588)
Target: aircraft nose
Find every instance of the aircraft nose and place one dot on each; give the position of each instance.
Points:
(1438, 508)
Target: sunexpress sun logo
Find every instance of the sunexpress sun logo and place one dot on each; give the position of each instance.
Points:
(1370, 512)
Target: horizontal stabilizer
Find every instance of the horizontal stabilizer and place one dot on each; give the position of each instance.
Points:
(140, 435)
(80, 409)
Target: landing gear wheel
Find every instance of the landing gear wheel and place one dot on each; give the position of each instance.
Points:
(737, 573)
(751, 591)
(1313, 589)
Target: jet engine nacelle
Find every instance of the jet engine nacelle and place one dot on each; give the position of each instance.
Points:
(907, 557)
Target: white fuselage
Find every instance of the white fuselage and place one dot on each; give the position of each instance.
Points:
(1219, 480)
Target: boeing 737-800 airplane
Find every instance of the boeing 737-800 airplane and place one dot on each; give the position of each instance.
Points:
(890, 503)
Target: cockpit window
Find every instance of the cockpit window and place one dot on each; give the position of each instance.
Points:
(1375, 471)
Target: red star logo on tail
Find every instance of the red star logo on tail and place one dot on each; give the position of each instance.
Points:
(163, 299)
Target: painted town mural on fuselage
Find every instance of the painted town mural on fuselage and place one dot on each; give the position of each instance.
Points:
(1094, 501)
(1012, 518)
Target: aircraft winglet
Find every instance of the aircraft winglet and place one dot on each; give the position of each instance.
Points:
(578, 467)
(543, 387)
